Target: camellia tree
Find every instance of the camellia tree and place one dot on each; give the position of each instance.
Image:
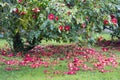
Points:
(27, 22)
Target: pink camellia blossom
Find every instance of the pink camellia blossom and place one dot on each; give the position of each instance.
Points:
(71, 68)
(19, 1)
(114, 64)
(51, 16)
(36, 10)
(3, 53)
(84, 67)
(100, 66)
(114, 21)
(8, 62)
(106, 22)
(27, 55)
(83, 25)
(22, 63)
(103, 71)
(56, 18)
(67, 57)
(11, 62)
(76, 59)
(70, 65)
(16, 10)
(61, 27)
(67, 28)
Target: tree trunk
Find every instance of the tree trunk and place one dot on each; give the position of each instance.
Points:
(17, 43)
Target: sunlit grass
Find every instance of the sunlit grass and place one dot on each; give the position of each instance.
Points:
(37, 74)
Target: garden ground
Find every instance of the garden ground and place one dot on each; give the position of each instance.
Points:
(54, 72)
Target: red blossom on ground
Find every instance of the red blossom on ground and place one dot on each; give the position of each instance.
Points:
(10, 55)
(78, 59)
(105, 49)
(70, 72)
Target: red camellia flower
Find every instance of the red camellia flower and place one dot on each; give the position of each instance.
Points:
(51, 16)
(61, 28)
(106, 22)
(114, 21)
(19, 1)
(112, 16)
(36, 10)
(83, 25)
(67, 28)
(16, 10)
(56, 18)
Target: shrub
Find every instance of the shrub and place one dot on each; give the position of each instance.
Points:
(30, 21)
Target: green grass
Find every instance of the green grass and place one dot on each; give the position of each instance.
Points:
(37, 74)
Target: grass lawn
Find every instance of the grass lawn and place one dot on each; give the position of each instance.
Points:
(26, 73)
(37, 74)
